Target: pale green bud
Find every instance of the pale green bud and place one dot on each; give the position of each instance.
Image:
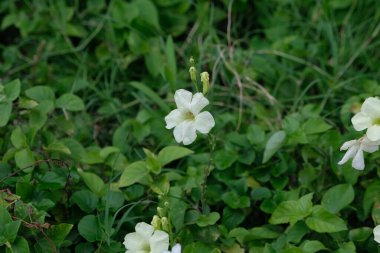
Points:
(193, 74)
(156, 222)
(161, 212)
(192, 61)
(205, 79)
(166, 204)
(165, 224)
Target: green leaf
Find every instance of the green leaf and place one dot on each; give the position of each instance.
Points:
(234, 200)
(151, 94)
(312, 246)
(24, 158)
(70, 102)
(274, 143)
(371, 195)
(5, 113)
(322, 221)
(338, 197)
(52, 180)
(12, 90)
(58, 233)
(18, 138)
(292, 211)
(40, 93)
(11, 230)
(208, 220)
(122, 13)
(89, 228)
(360, 234)
(172, 64)
(86, 200)
(59, 147)
(5, 218)
(315, 126)
(20, 245)
(93, 182)
(224, 159)
(133, 173)
(172, 153)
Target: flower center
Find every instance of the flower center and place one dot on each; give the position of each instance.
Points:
(146, 247)
(376, 121)
(189, 116)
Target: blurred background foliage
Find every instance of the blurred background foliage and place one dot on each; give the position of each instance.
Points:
(85, 153)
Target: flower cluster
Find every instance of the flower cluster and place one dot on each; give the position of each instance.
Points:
(368, 118)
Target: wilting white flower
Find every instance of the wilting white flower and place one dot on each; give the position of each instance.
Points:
(175, 249)
(376, 233)
(369, 118)
(146, 240)
(355, 150)
(187, 118)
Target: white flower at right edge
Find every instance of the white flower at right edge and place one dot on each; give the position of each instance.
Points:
(175, 249)
(188, 118)
(355, 150)
(368, 118)
(376, 233)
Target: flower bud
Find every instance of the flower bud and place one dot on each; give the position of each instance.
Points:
(193, 74)
(205, 79)
(192, 61)
(156, 222)
(165, 224)
(161, 211)
(166, 204)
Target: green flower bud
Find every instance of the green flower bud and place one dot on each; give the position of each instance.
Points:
(156, 222)
(193, 74)
(161, 211)
(205, 79)
(165, 224)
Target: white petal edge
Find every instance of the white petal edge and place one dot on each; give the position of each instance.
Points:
(376, 233)
(185, 132)
(198, 103)
(358, 161)
(348, 144)
(371, 107)
(176, 248)
(361, 121)
(182, 99)
(351, 152)
(373, 133)
(145, 230)
(134, 241)
(159, 242)
(174, 118)
(204, 122)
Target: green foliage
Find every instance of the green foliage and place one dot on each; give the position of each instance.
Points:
(85, 87)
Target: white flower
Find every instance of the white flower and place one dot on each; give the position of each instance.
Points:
(355, 150)
(188, 119)
(146, 240)
(369, 118)
(376, 233)
(175, 249)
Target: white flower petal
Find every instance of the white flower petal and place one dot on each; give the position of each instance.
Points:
(198, 103)
(134, 241)
(182, 99)
(204, 122)
(348, 144)
(159, 242)
(371, 107)
(376, 233)
(358, 161)
(176, 248)
(185, 132)
(145, 230)
(369, 147)
(351, 152)
(373, 133)
(174, 118)
(361, 121)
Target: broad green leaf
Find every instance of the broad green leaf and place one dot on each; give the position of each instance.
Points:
(172, 153)
(18, 138)
(322, 221)
(133, 173)
(12, 90)
(40, 93)
(93, 182)
(315, 126)
(5, 218)
(348, 247)
(208, 220)
(292, 211)
(90, 229)
(59, 147)
(274, 143)
(360, 234)
(52, 180)
(57, 233)
(70, 102)
(259, 233)
(5, 113)
(24, 158)
(86, 200)
(224, 159)
(20, 245)
(370, 196)
(338, 197)
(11, 230)
(312, 246)
(234, 200)
(122, 13)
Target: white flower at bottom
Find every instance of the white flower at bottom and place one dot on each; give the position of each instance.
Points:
(376, 233)
(146, 240)
(355, 150)
(369, 118)
(188, 118)
(175, 249)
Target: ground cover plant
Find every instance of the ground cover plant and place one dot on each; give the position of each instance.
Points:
(189, 126)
